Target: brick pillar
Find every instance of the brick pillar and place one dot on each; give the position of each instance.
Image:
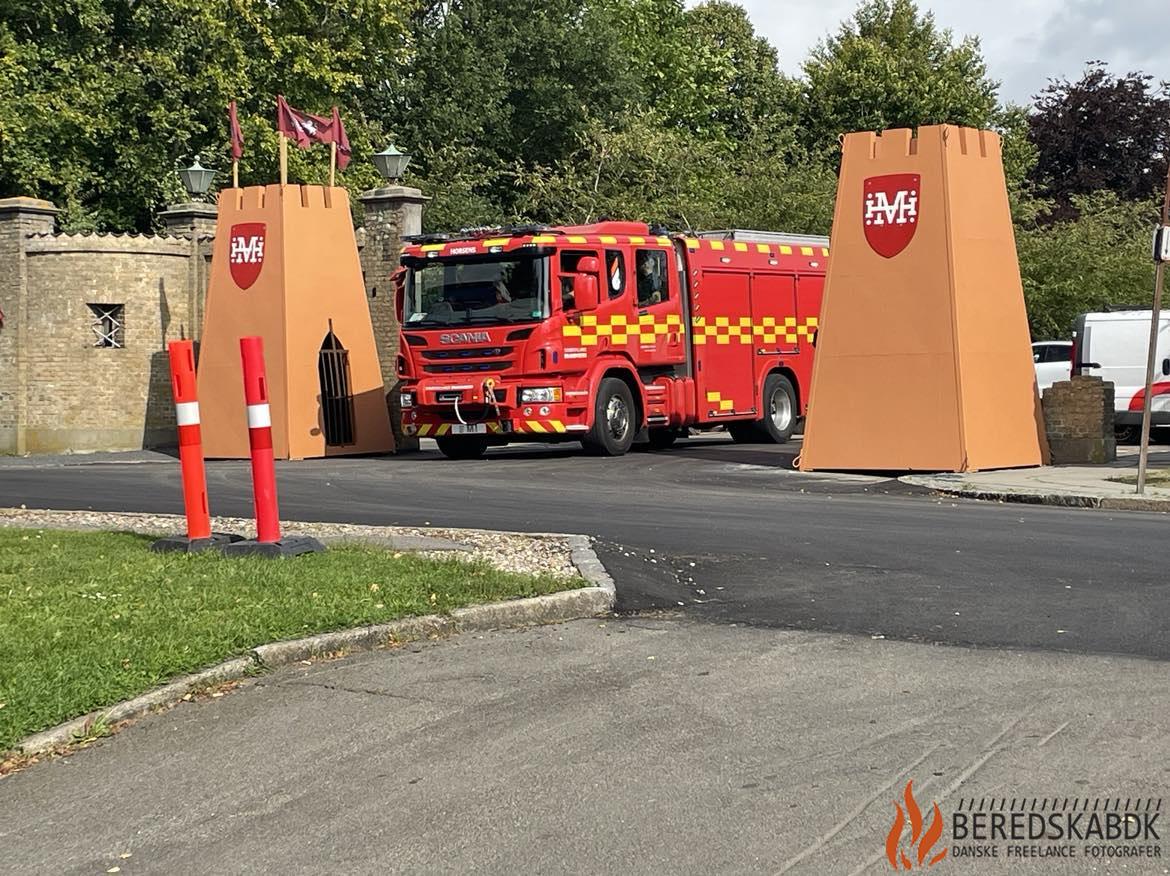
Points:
(196, 222)
(19, 218)
(1078, 417)
(390, 214)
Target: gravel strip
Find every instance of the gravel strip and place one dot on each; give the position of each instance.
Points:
(510, 552)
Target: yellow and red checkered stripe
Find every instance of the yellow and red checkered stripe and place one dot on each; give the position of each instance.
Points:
(733, 246)
(725, 404)
(769, 329)
(490, 243)
(437, 430)
(620, 330)
(692, 244)
(538, 427)
(724, 329)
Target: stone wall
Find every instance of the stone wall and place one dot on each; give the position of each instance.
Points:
(61, 391)
(19, 218)
(61, 388)
(389, 215)
(1078, 418)
(82, 396)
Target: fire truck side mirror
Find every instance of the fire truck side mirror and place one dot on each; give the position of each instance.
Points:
(586, 294)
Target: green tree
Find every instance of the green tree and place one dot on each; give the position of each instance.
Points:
(1099, 257)
(890, 66)
(101, 100)
(645, 110)
(725, 83)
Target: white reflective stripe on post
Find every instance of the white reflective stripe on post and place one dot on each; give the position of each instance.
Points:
(187, 413)
(259, 416)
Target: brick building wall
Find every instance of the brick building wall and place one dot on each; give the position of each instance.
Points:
(19, 218)
(389, 215)
(82, 396)
(1078, 419)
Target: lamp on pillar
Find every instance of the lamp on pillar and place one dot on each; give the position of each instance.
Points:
(392, 163)
(389, 213)
(196, 179)
(195, 220)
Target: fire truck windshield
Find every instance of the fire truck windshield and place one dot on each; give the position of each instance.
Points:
(481, 291)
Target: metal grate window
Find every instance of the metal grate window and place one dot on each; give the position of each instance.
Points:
(108, 324)
(336, 395)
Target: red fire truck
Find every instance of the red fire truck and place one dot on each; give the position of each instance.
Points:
(607, 334)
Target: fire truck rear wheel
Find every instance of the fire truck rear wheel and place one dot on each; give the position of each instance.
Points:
(780, 408)
(461, 447)
(614, 413)
(779, 420)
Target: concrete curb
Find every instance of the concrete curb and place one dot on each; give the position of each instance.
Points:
(595, 599)
(1062, 500)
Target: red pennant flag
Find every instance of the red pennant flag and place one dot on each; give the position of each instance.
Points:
(237, 136)
(342, 141)
(303, 128)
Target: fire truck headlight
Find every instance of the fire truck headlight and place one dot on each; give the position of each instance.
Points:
(541, 394)
(407, 400)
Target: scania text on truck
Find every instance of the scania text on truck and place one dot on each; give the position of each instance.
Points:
(607, 334)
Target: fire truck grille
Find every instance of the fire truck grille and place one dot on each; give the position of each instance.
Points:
(467, 367)
(468, 353)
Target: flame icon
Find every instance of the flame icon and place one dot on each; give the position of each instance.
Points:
(921, 841)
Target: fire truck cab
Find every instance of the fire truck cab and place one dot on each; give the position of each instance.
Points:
(607, 334)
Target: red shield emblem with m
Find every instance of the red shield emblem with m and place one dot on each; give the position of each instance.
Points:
(890, 212)
(246, 252)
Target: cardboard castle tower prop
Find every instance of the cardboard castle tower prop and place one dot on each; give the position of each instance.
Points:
(923, 360)
(286, 268)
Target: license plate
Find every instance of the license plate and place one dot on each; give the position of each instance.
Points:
(473, 429)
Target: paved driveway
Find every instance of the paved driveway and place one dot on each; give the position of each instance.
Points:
(651, 745)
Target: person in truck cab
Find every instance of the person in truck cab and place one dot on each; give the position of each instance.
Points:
(650, 279)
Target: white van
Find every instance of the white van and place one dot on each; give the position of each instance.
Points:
(1052, 361)
(1114, 346)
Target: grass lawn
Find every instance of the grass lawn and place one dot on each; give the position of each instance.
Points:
(90, 619)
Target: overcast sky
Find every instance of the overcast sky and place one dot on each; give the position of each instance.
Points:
(1024, 41)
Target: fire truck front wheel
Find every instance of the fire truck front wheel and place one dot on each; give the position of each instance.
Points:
(779, 420)
(461, 447)
(614, 413)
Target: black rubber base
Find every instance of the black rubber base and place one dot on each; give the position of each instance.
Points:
(289, 546)
(184, 545)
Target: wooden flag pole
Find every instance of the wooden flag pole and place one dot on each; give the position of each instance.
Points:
(283, 159)
(332, 162)
(235, 174)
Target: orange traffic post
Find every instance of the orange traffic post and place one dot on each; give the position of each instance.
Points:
(194, 477)
(259, 414)
(260, 439)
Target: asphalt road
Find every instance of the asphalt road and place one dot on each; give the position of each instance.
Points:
(727, 533)
(631, 746)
